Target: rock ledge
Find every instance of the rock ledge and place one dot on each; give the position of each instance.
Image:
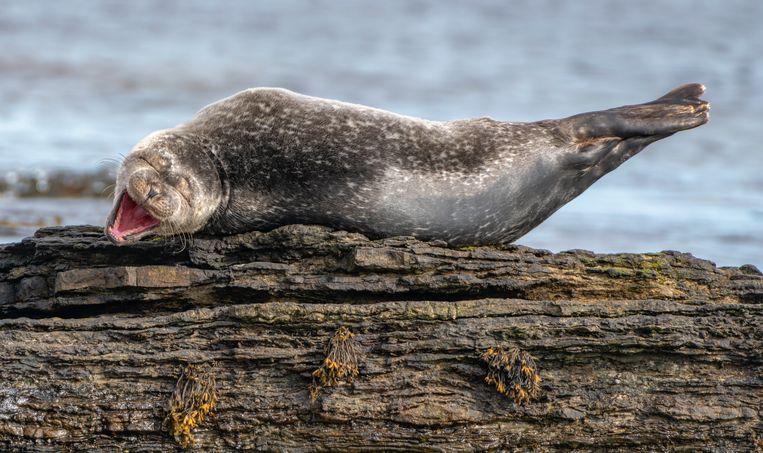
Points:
(636, 351)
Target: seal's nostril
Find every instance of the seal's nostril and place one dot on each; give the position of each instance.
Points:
(151, 193)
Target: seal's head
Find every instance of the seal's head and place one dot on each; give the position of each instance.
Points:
(167, 185)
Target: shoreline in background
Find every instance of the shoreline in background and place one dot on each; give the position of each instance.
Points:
(36, 199)
(56, 184)
(20, 217)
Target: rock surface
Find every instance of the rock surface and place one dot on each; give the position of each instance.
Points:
(636, 351)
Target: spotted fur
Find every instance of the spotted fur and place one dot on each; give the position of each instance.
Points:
(267, 157)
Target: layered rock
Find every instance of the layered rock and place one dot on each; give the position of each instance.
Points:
(636, 351)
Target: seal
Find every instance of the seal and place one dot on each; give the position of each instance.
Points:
(268, 157)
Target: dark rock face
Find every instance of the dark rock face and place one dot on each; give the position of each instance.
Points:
(636, 351)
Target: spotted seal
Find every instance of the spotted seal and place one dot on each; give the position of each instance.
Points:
(267, 157)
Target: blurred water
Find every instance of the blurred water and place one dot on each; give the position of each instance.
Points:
(82, 81)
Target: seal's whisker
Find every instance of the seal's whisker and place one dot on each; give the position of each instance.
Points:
(109, 161)
(175, 233)
(110, 189)
(179, 234)
(184, 236)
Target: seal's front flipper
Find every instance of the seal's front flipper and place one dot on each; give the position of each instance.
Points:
(678, 110)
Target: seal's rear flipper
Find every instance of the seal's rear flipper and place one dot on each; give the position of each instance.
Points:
(678, 110)
(688, 91)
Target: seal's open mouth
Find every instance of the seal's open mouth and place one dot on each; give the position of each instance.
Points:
(130, 221)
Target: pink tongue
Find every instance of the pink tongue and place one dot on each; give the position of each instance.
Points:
(131, 218)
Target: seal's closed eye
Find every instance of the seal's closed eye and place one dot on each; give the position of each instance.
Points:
(155, 161)
(181, 184)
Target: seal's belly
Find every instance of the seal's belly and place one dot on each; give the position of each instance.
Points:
(490, 205)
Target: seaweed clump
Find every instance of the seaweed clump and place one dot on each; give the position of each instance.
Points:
(340, 363)
(193, 399)
(513, 373)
